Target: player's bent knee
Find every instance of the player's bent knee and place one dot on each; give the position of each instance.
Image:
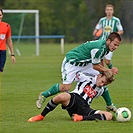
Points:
(61, 98)
(65, 87)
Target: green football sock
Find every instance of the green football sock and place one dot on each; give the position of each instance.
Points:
(107, 97)
(51, 91)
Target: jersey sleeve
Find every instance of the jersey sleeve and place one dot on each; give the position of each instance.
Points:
(95, 55)
(109, 56)
(118, 25)
(99, 25)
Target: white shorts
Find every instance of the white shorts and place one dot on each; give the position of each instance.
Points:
(69, 71)
(109, 56)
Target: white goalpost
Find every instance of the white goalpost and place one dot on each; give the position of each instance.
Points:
(36, 12)
(36, 35)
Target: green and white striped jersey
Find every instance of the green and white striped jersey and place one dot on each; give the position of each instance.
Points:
(89, 52)
(108, 26)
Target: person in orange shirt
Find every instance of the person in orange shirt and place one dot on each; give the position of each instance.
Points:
(5, 36)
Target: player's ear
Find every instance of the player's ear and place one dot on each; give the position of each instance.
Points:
(100, 75)
(108, 41)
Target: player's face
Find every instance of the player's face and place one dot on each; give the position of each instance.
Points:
(113, 45)
(101, 81)
(1, 15)
(109, 11)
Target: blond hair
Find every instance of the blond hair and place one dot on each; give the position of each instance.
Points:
(109, 76)
(109, 5)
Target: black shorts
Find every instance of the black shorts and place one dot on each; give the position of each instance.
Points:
(2, 59)
(78, 106)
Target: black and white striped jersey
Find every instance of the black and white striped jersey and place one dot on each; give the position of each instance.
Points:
(86, 87)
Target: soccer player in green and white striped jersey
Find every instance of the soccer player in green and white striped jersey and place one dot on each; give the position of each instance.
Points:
(109, 24)
(85, 58)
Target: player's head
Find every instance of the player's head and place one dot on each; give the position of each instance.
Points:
(109, 76)
(113, 41)
(105, 78)
(109, 10)
(1, 14)
(112, 36)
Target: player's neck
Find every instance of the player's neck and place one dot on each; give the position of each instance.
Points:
(109, 17)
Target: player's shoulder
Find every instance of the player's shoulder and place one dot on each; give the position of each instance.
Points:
(115, 18)
(98, 42)
(102, 18)
(4, 24)
(90, 77)
(93, 78)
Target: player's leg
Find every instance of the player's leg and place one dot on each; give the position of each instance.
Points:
(76, 105)
(95, 115)
(68, 75)
(2, 59)
(52, 91)
(100, 115)
(107, 115)
(90, 114)
(63, 99)
(43, 95)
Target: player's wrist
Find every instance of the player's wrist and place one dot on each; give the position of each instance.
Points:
(110, 66)
(12, 54)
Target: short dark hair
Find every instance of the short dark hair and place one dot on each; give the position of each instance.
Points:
(1, 10)
(114, 35)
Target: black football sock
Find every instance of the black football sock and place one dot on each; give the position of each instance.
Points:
(49, 107)
(94, 117)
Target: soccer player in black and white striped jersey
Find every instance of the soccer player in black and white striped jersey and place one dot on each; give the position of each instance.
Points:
(77, 103)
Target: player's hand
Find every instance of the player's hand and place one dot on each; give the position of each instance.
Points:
(114, 70)
(112, 107)
(13, 59)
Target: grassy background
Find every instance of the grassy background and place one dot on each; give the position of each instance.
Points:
(21, 83)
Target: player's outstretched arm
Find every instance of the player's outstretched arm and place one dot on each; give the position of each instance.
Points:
(100, 68)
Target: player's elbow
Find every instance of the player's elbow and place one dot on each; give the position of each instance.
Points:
(122, 32)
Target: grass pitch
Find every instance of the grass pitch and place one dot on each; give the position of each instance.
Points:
(21, 83)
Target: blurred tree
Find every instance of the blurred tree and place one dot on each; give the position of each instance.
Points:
(75, 19)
